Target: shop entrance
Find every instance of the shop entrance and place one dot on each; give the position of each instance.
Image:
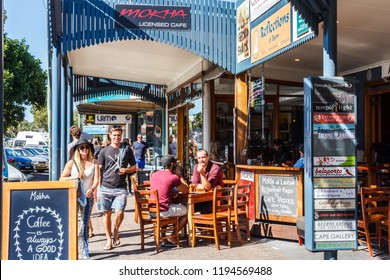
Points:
(377, 123)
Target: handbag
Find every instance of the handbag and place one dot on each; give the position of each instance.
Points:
(81, 198)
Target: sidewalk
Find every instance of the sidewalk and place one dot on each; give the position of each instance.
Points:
(257, 249)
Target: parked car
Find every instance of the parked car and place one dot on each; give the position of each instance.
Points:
(37, 151)
(14, 175)
(40, 163)
(22, 163)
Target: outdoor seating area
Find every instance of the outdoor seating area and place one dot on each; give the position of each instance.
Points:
(373, 221)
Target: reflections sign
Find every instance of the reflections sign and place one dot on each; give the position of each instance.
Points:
(152, 17)
(330, 177)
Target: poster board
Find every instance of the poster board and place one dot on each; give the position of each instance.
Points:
(279, 197)
(39, 221)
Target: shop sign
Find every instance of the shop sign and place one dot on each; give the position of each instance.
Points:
(334, 193)
(334, 182)
(333, 118)
(334, 235)
(248, 176)
(334, 204)
(112, 119)
(335, 215)
(90, 118)
(332, 126)
(259, 7)
(335, 161)
(335, 225)
(95, 129)
(333, 107)
(334, 171)
(334, 147)
(243, 27)
(386, 70)
(272, 34)
(334, 245)
(324, 134)
(148, 17)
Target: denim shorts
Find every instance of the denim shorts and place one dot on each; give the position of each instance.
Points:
(109, 198)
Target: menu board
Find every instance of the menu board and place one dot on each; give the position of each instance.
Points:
(278, 195)
(331, 186)
(40, 221)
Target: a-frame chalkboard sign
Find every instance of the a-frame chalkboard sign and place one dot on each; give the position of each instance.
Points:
(39, 221)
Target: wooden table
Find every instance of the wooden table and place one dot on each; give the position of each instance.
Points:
(190, 199)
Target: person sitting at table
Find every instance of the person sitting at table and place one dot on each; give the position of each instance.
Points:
(300, 163)
(281, 156)
(169, 184)
(207, 175)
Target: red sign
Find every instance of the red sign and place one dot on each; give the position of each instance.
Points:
(333, 118)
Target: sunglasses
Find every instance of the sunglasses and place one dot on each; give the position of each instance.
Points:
(82, 147)
(116, 127)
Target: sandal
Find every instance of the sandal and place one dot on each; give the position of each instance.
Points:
(117, 241)
(107, 247)
(91, 234)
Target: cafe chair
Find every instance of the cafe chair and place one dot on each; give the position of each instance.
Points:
(374, 213)
(151, 224)
(240, 212)
(145, 186)
(211, 226)
(229, 183)
(240, 217)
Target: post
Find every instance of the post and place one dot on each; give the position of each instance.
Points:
(330, 64)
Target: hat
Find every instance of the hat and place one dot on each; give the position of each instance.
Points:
(167, 160)
(82, 141)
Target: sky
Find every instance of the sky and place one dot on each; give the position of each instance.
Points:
(28, 19)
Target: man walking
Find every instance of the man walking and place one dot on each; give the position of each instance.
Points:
(115, 163)
(140, 149)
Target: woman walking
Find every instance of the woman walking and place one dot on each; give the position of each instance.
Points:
(85, 168)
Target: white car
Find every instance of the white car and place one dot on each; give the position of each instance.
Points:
(14, 175)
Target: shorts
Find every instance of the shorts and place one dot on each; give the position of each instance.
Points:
(141, 163)
(111, 198)
(175, 210)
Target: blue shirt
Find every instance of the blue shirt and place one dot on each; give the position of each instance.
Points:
(300, 163)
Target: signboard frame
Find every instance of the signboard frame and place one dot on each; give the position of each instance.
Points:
(71, 203)
(330, 198)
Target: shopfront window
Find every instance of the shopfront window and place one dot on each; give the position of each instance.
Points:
(195, 131)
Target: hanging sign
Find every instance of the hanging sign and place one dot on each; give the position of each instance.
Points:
(152, 17)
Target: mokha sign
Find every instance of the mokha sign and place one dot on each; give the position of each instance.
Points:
(152, 17)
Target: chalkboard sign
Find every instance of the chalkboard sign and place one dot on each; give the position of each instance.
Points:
(278, 195)
(39, 221)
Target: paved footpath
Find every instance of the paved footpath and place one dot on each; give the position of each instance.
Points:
(257, 249)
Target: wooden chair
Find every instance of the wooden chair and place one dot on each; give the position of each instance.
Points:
(229, 183)
(212, 225)
(240, 211)
(151, 224)
(136, 187)
(240, 217)
(375, 211)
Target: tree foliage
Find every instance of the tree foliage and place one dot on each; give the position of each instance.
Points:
(24, 82)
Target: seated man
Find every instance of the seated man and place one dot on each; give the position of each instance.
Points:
(169, 184)
(207, 175)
